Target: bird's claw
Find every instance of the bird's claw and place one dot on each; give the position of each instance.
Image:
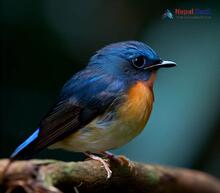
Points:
(125, 162)
(104, 163)
(122, 160)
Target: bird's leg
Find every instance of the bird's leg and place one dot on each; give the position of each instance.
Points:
(122, 160)
(104, 163)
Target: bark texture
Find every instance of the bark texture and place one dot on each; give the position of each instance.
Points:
(51, 176)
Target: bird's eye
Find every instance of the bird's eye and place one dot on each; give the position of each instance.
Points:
(139, 61)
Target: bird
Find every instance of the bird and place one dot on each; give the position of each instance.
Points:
(101, 107)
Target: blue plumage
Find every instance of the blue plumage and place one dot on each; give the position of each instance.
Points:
(100, 86)
(27, 142)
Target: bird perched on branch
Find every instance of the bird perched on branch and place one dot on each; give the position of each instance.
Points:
(103, 106)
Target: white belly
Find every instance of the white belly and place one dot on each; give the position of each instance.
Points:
(98, 139)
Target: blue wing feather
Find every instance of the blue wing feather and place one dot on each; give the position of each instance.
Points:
(27, 142)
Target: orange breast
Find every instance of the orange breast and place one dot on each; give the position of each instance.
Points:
(137, 108)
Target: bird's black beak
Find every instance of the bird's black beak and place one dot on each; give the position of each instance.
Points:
(162, 64)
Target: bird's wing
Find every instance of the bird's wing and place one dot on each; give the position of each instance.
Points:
(82, 99)
(69, 115)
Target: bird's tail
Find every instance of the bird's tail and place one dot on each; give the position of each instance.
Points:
(27, 148)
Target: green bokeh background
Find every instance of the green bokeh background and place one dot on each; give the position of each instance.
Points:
(44, 42)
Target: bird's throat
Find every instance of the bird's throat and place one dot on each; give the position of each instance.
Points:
(150, 81)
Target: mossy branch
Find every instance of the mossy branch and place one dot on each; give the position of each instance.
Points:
(89, 176)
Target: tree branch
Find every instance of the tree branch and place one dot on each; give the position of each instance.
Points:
(89, 176)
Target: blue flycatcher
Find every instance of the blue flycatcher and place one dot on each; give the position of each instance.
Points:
(101, 107)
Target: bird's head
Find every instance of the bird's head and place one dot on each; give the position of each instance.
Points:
(130, 60)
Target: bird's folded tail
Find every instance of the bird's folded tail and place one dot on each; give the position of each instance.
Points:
(27, 148)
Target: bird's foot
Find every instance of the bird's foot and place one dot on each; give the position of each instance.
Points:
(122, 160)
(104, 163)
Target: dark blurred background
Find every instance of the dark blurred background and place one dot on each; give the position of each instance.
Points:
(44, 42)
